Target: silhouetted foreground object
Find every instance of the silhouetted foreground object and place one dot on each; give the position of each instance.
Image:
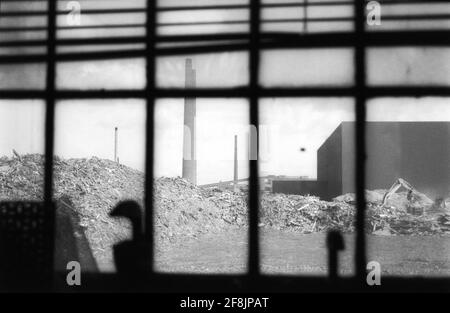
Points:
(26, 245)
(129, 256)
(335, 243)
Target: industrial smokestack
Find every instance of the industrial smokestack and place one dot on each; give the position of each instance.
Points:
(190, 131)
(116, 158)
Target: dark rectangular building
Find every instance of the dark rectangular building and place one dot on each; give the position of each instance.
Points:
(418, 152)
(297, 187)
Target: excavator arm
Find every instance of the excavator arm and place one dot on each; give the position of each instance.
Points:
(400, 182)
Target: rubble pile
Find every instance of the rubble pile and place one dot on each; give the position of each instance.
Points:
(93, 186)
(399, 216)
(183, 210)
(305, 214)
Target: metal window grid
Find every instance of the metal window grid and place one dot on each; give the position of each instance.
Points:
(254, 42)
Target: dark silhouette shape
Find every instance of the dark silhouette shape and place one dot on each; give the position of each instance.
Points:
(26, 246)
(129, 255)
(335, 243)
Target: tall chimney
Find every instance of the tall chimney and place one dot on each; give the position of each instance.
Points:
(190, 131)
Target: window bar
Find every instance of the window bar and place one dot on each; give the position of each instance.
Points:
(50, 102)
(50, 126)
(150, 98)
(253, 257)
(360, 109)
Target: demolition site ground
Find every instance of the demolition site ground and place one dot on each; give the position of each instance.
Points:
(205, 229)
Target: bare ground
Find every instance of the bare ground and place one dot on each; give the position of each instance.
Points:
(284, 252)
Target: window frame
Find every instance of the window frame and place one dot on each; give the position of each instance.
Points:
(359, 40)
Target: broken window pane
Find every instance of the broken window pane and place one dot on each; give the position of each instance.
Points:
(408, 185)
(306, 163)
(200, 190)
(307, 67)
(409, 66)
(99, 162)
(21, 149)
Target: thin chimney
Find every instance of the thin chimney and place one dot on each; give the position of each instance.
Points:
(116, 142)
(190, 131)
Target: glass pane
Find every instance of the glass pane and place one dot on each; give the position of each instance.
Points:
(307, 67)
(409, 66)
(94, 171)
(230, 16)
(200, 192)
(401, 15)
(408, 179)
(101, 19)
(22, 76)
(108, 74)
(15, 30)
(306, 165)
(307, 16)
(220, 70)
(21, 149)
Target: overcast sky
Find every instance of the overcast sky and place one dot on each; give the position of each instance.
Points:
(86, 128)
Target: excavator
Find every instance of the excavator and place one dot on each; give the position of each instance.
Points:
(418, 203)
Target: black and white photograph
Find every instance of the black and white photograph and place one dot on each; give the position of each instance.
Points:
(224, 146)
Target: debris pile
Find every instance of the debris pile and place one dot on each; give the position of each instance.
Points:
(93, 186)
(401, 214)
(183, 210)
(305, 214)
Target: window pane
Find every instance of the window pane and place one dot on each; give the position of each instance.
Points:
(100, 19)
(412, 16)
(90, 180)
(108, 74)
(219, 70)
(21, 149)
(217, 19)
(316, 16)
(17, 30)
(306, 164)
(307, 67)
(407, 166)
(201, 214)
(409, 66)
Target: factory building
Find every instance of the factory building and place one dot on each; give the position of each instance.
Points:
(418, 152)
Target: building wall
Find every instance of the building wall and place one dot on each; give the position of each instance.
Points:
(418, 152)
(329, 165)
(297, 187)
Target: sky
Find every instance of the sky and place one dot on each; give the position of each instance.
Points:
(86, 128)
